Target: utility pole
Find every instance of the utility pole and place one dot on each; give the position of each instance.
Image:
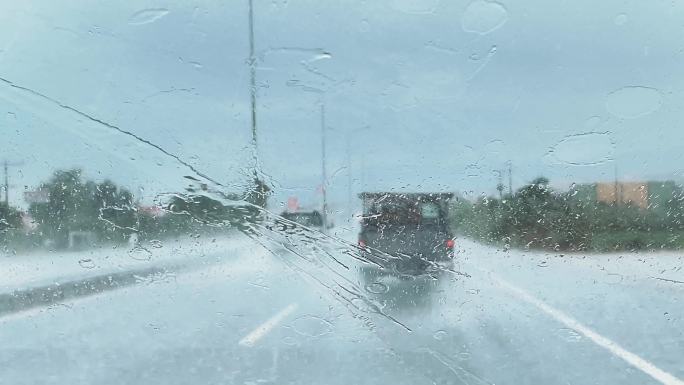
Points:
(350, 180)
(500, 185)
(510, 178)
(6, 166)
(324, 176)
(6, 185)
(252, 89)
(617, 186)
(349, 176)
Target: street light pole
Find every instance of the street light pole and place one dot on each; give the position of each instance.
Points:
(349, 166)
(349, 176)
(6, 185)
(510, 178)
(324, 176)
(252, 89)
(6, 165)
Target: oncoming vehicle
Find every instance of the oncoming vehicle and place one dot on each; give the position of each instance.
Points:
(411, 226)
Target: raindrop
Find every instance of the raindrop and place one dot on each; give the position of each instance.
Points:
(147, 16)
(621, 19)
(157, 244)
(614, 278)
(377, 288)
(154, 326)
(365, 26)
(361, 305)
(87, 263)
(586, 149)
(311, 326)
(439, 335)
(592, 122)
(484, 17)
(290, 341)
(569, 335)
(416, 6)
(633, 101)
(321, 56)
(140, 254)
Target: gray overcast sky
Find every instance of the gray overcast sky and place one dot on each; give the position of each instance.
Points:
(433, 95)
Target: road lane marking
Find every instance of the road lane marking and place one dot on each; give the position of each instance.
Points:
(262, 330)
(604, 342)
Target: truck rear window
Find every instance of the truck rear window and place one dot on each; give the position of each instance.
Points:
(401, 212)
(429, 210)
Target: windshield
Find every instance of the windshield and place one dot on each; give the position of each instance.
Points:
(341, 192)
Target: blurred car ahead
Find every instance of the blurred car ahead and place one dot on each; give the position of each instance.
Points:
(412, 227)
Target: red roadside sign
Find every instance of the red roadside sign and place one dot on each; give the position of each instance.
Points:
(292, 204)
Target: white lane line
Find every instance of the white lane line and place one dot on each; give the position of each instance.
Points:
(613, 347)
(250, 339)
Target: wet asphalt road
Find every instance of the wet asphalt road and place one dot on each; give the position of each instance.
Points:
(519, 318)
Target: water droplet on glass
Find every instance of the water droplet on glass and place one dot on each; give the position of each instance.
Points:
(621, 19)
(633, 101)
(592, 122)
(140, 254)
(322, 56)
(484, 17)
(87, 263)
(439, 335)
(364, 26)
(290, 341)
(586, 149)
(569, 335)
(377, 288)
(361, 305)
(417, 7)
(311, 326)
(147, 16)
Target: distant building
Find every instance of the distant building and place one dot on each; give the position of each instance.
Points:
(625, 193)
(654, 195)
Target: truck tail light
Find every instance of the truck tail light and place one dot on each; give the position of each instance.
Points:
(450, 243)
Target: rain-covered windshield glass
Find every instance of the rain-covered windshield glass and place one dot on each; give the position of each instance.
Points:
(339, 192)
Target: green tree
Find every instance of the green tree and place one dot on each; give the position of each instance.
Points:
(74, 205)
(10, 218)
(258, 193)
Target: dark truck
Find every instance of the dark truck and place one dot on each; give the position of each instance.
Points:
(411, 226)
